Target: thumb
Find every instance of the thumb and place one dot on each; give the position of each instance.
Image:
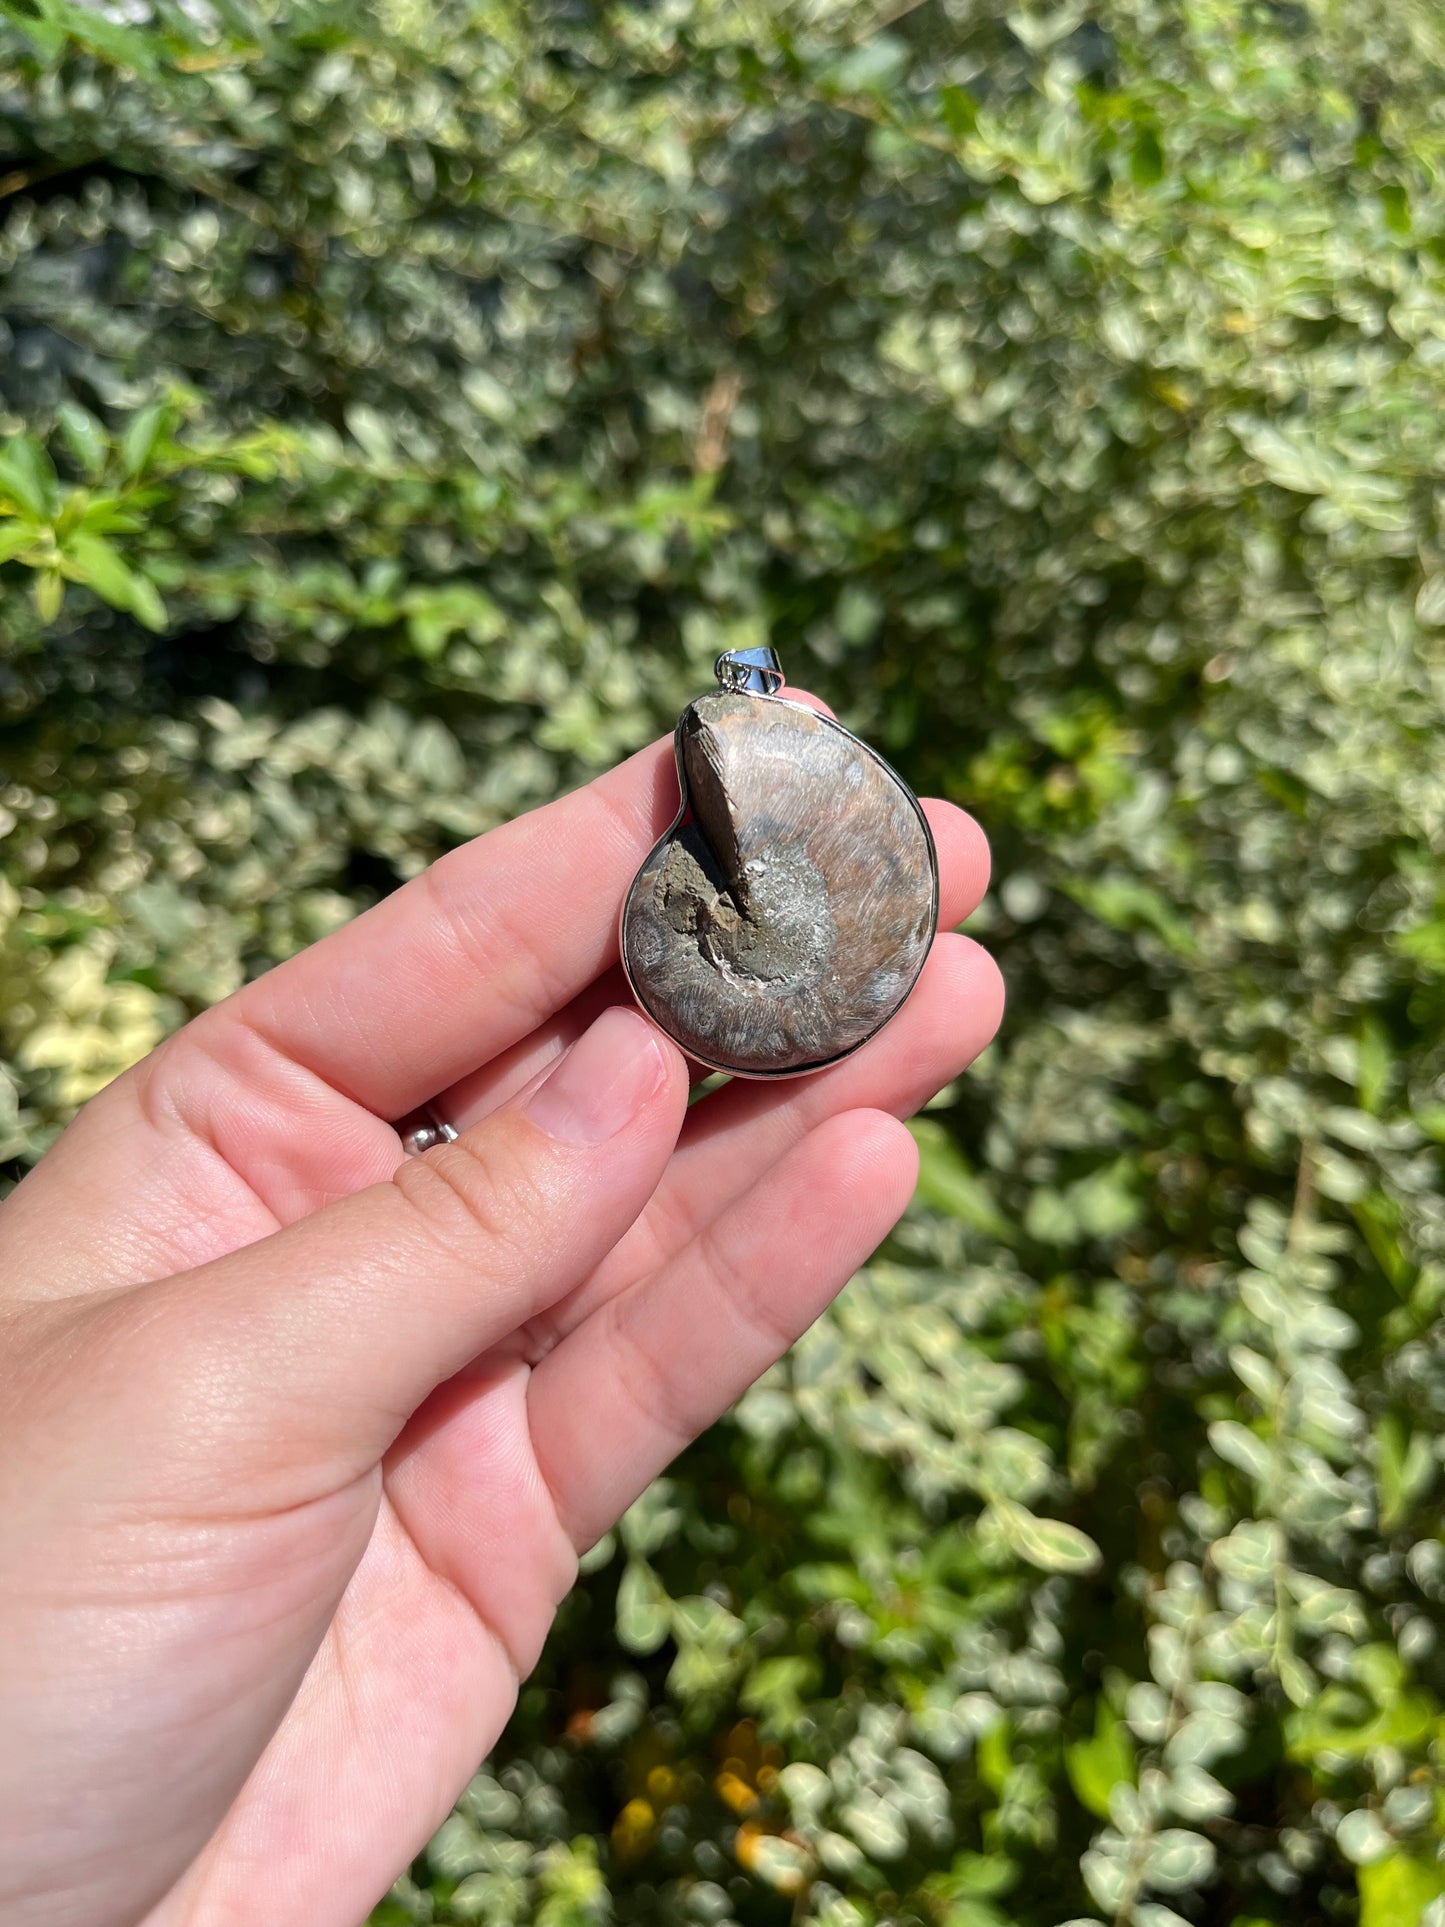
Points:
(326, 1336)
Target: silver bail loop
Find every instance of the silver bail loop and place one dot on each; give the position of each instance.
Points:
(753, 672)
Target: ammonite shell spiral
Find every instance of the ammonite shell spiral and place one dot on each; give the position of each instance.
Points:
(786, 914)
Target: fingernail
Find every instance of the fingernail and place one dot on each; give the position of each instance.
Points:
(602, 1082)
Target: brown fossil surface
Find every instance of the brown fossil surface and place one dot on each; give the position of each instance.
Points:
(788, 915)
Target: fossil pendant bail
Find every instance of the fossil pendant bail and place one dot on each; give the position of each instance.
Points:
(755, 672)
(785, 916)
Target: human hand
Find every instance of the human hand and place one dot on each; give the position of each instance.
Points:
(300, 1444)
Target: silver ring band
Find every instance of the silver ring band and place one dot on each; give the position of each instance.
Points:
(422, 1130)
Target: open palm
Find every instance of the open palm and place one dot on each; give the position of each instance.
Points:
(302, 1448)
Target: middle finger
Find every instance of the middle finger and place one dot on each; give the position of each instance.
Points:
(963, 868)
(730, 1141)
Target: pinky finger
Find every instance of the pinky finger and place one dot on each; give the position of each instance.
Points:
(653, 1367)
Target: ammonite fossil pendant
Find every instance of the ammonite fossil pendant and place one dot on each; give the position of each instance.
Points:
(785, 916)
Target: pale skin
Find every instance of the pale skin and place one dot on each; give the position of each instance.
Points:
(300, 1441)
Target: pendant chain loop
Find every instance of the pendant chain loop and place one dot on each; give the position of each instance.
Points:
(754, 672)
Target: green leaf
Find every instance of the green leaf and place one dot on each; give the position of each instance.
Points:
(644, 1611)
(1107, 1202)
(959, 110)
(1362, 1838)
(1342, 1721)
(143, 436)
(1178, 1859)
(1241, 1447)
(1146, 160)
(1404, 1468)
(868, 68)
(1153, 1913)
(994, 1755)
(52, 22)
(983, 1874)
(1104, 1204)
(17, 534)
(1376, 1064)
(1395, 1891)
(91, 559)
(48, 593)
(776, 1688)
(1096, 1766)
(1395, 203)
(1129, 903)
(707, 1636)
(1430, 600)
(372, 433)
(84, 437)
(435, 615)
(27, 476)
(653, 1520)
(1051, 1544)
(946, 1184)
(1289, 459)
(146, 604)
(1425, 942)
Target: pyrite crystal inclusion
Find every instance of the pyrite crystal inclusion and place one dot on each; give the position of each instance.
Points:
(786, 915)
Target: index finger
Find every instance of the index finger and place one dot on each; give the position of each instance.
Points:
(470, 955)
(473, 955)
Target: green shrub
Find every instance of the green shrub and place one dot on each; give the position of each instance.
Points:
(406, 404)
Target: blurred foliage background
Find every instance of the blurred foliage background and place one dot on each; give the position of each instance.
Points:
(405, 403)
